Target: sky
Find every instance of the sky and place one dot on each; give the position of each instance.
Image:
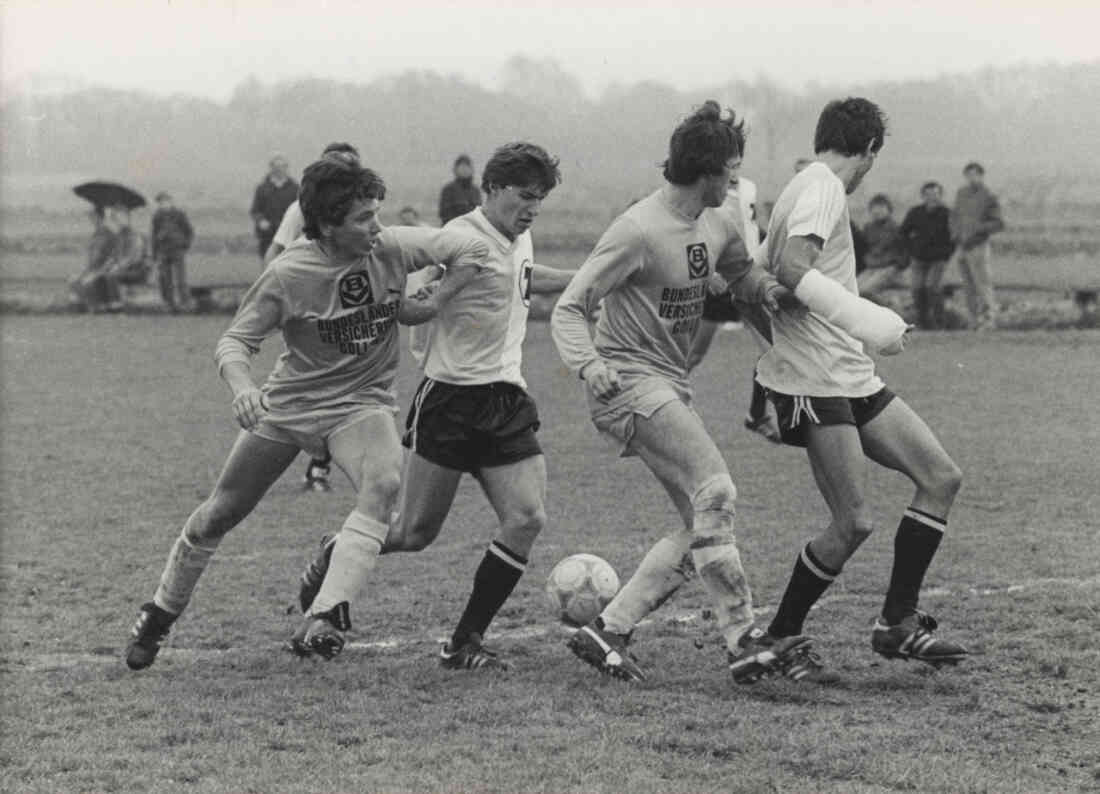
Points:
(207, 48)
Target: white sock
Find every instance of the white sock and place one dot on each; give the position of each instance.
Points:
(186, 562)
(353, 556)
(663, 570)
(714, 550)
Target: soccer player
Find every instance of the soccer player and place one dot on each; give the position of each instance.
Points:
(336, 296)
(830, 400)
(290, 229)
(652, 269)
(472, 413)
(721, 308)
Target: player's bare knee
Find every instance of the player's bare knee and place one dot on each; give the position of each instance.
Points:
(378, 493)
(717, 494)
(522, 527)
(946, 481)
(854, 529)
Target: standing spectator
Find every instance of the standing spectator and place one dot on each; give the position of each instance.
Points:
(270, 202)
(172, 236)
(976, 217)
(885, 258)
(290, 227)
(461, 195)
(926, 234)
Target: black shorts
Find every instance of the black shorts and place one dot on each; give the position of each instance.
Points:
(720, 309)
(794, 413)
(469, 428)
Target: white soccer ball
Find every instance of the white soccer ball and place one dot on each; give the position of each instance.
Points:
(580, 587)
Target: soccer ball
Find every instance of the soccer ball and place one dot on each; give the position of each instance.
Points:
(580, 587)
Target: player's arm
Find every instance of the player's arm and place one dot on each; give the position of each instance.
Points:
(430, 299)
(547, 280)
(461, 256)
(750, 283)
(262, 312)
(618, 254)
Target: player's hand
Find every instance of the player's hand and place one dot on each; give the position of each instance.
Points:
(249, 406)
(894, 348)
(602, 380)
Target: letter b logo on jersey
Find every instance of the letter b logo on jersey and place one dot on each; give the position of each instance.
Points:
(355, 290)
(698, 261)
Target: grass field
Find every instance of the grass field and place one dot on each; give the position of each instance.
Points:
(114, 428)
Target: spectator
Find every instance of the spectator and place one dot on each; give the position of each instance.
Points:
(461, 195)
(130, 261)
(409, 216)
(290, 227)
(88, 285)
(270, 202)
(172, 236)
(926, 234)
(885, 258)
(975, 218)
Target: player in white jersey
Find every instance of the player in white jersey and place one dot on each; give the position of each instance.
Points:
(652, 269)
(336, 296)
(471, 412)
(830, 399)
(290, 229)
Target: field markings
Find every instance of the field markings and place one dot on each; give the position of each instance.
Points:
(47, 662)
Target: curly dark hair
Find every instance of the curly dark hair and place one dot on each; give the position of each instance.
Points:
(703, 143)
(329, 187)
(850, 127)
(521, 164)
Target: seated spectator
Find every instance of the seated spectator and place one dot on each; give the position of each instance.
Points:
(172, 236)
(88, 285)
(130, 263)
(926, 234)
(885, 258)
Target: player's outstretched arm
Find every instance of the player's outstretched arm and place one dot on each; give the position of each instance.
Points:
(427, 303)
(548, 280)
(876, 326)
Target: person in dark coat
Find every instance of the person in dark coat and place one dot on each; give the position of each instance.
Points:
(172, 236)
(461, 195)
(270, 201)
(926, 234)
(885, 256)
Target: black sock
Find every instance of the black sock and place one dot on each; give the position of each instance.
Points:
(494, 581)
(919, 535)
(759, 405)
(808, 581)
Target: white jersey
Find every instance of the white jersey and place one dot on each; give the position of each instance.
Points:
(810, 356)
(477, 337)
(290, 228)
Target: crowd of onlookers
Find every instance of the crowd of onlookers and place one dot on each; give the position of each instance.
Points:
(930, 237)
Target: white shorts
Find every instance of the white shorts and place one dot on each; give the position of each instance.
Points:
(311, 430)
(642, 397)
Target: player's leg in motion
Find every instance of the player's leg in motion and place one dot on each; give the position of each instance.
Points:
(253, 465)
(677, 449)
(517, 492)
(899, 439)
(369, 453)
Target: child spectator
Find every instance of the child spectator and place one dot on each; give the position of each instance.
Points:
(885, 258)
(172, 236)
(926, 235)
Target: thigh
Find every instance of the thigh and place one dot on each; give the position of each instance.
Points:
(253, 466)
(369, 453)
(427, 493)
(900, 440)
(676, 447)
(515, 490)
(839, 467)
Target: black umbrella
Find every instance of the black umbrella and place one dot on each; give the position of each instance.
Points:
(110, 194)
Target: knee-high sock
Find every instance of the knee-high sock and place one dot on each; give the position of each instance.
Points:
(663, 570)
(186, 562)
(918, 537)
(353, 556)
(496, 577)
(714, 550)
(809, 580)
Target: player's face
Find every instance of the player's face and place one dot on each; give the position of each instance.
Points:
(513, 209)
(864, 164)
(358, 233)
(715, 186)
